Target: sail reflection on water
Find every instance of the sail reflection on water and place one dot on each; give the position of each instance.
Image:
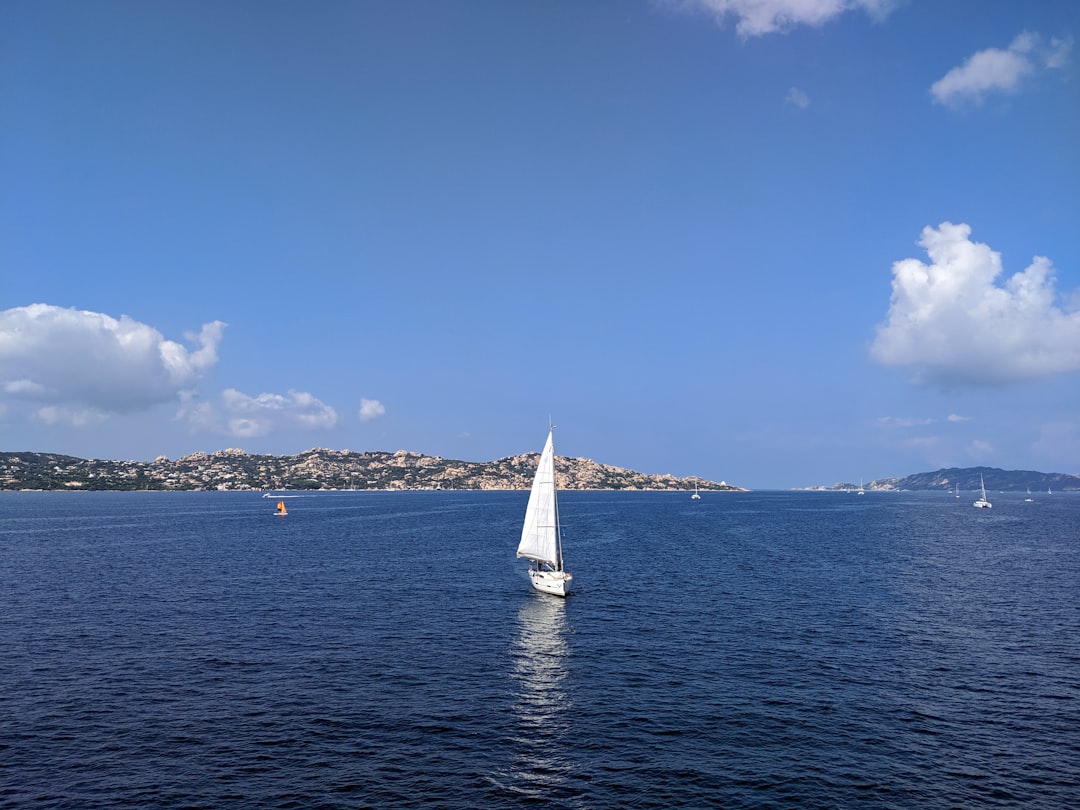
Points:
(543, 707)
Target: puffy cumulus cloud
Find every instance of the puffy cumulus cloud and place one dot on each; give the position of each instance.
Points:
(370, 409)
(999, 71)
(759, 17)
(80, 367)
(953, 325)
(243, 416)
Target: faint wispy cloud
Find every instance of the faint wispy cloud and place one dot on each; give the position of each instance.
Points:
(243, 416)
(70, 417)
(953, 325)
(904, 421)
(79, 367)
(929, 444)
(952, 417)
(1057, 55)
(1059, 442)
(370, 409)
(798, 98)
(999, 71)
(759, 17)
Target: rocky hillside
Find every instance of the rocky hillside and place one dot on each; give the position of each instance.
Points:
(320, 469)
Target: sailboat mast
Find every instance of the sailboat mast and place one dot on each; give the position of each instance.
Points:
(555, 500)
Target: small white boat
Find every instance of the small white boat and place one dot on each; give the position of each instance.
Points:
(982, 503)
(541, 538)
(696, 496)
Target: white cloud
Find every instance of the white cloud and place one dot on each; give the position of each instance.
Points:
(80, 367)
(954, 326)
(243, 416)
(996, 70)
(70, 417)
(1057, 55)
(26, 388)
(758, 17)
(952, 417)
(904, 421)
(371, 409)
(798, 98)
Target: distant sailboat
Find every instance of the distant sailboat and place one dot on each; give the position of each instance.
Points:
(281, 511)
(696, 496)
(982, 502)
(861, 490)
(957, 489)
(541, 539)
(1029, 499)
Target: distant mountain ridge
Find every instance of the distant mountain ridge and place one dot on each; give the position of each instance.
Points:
(967, 478)
(321, 469)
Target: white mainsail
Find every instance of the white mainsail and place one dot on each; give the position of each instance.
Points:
(982, 502)
(540, 538)
(539, 533)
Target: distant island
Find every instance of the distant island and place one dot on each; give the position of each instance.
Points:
(967, 479)
(320, 469)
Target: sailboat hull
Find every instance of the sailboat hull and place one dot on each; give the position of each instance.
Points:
(553, 582)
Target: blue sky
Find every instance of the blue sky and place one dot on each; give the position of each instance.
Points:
(779, 243)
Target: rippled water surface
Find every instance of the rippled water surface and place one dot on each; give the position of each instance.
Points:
(385, 649)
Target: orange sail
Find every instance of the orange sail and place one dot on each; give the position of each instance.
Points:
(281, 509)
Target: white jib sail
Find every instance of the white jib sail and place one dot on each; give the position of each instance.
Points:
(538, 534)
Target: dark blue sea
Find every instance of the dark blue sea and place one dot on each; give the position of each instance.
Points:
(376, 649)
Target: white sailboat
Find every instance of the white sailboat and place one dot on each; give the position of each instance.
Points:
(957, 489)
(982, 502)
(697, 495)
(541, 540)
